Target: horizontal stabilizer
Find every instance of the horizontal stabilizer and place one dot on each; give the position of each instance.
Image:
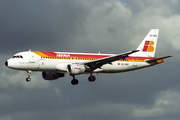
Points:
(157, 59)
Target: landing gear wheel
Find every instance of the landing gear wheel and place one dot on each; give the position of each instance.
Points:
(91, 78)
(74, 82)
(28, 79)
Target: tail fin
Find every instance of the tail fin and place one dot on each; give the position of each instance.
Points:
(147, 47)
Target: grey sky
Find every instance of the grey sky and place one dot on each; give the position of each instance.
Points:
(108, 26)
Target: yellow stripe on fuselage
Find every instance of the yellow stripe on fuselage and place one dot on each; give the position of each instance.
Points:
(40, 54)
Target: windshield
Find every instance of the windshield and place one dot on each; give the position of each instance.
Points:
(17, 56)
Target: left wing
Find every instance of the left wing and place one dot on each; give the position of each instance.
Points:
(92, 65)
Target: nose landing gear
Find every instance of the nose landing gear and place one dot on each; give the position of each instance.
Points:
(28, 79)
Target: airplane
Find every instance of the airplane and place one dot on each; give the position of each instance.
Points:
(54, 65)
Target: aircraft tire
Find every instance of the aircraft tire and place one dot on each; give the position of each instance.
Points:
(91, 78)
(74, 82)
(28, 79)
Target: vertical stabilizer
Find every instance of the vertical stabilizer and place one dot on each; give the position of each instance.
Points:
(147, 47)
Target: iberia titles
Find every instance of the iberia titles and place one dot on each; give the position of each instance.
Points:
(63, 55)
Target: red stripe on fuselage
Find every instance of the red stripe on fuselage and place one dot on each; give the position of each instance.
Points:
(95, 56)
(54, 54)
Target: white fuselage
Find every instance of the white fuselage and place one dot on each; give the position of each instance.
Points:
(34, 62)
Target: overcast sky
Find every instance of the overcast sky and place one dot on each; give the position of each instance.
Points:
(106, 26)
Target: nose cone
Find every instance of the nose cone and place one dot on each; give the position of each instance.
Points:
(6, 63)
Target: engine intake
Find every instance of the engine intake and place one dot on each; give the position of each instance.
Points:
(51, 75)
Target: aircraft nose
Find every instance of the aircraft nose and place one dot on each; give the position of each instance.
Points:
(6, 63)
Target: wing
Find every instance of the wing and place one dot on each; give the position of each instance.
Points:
(92, 65)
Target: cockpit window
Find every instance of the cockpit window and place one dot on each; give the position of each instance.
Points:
(17, 56)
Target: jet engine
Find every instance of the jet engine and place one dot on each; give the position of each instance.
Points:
(51, 75)
(75, 69)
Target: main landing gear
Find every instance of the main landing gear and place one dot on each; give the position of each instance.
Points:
(28, 79)
(74, 81)
(91, 78)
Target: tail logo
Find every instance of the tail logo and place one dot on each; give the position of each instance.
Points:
(148, 46)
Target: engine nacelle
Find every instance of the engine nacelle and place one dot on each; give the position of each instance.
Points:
(51, 75)
(75, 69)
